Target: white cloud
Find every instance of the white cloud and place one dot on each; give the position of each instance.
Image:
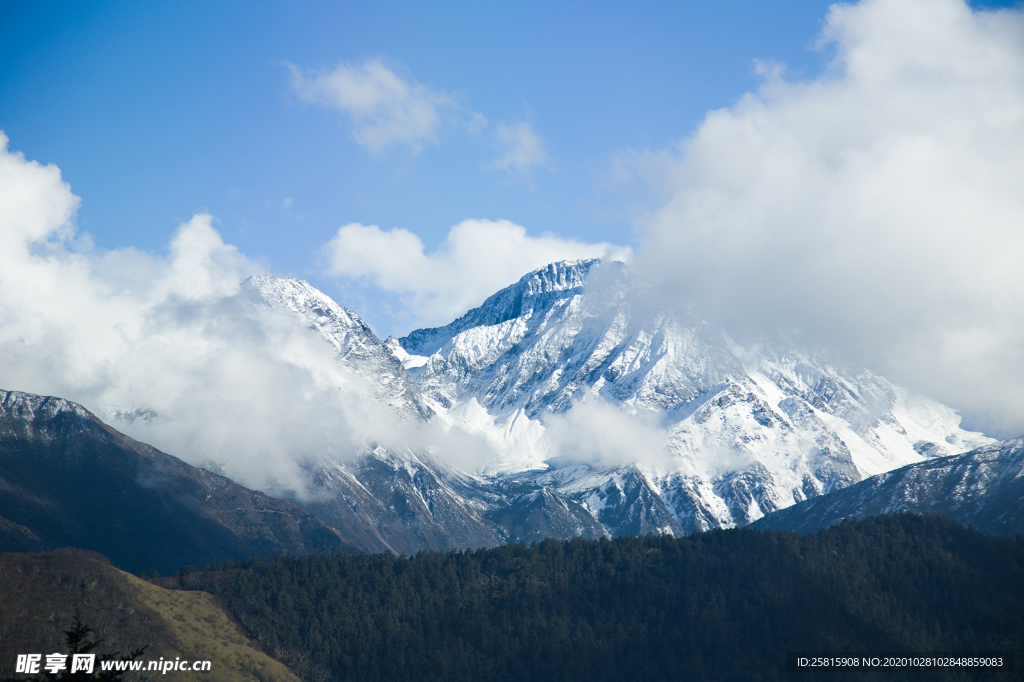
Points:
(36, 202)
(124, 330)
(478, 258)
(598, 433)
(174, 336)
(384, 108)
(523, 148)
(878, 207)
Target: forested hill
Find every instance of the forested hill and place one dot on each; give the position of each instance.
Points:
(720, 605)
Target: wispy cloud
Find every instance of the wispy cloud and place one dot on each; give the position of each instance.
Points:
(384, 109)
(523, 148)
(598, 433)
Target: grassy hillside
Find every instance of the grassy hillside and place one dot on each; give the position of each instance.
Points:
(43, 592)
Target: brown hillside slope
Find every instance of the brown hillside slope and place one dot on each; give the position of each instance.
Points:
(42, 593)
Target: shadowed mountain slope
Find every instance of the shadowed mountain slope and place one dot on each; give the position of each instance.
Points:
(68, 479)
(983, 488)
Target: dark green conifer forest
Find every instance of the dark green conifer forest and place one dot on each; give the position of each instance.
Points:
(722, 605)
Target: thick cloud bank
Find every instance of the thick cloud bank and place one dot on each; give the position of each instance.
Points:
(478, 258)
(168, 342)
(879, 208)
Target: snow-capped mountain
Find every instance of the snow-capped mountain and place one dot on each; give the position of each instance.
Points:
(746, 430)
(589, 411)
(983, 488)
(396, 498)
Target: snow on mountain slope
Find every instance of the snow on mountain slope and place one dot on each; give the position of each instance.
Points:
(983, 488)
(395, 497)
(406, 498)
(747, 431)
(535, 290)
(580, 408)
(357, 346)
(546, 342)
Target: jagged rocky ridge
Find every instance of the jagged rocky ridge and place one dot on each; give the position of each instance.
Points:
(983, 488)
(746, 431)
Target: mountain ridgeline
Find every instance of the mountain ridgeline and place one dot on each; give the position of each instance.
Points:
(744, 431)
(541, 377)
(983, 488)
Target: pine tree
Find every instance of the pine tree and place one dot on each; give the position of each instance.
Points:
(78, 642)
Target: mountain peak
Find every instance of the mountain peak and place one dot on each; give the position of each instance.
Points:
(533, 290)
(560, 363)
(357, 346)
(27, 406)
(305, 300)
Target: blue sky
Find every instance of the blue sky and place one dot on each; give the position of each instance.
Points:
(156, 111)
(855, 173)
